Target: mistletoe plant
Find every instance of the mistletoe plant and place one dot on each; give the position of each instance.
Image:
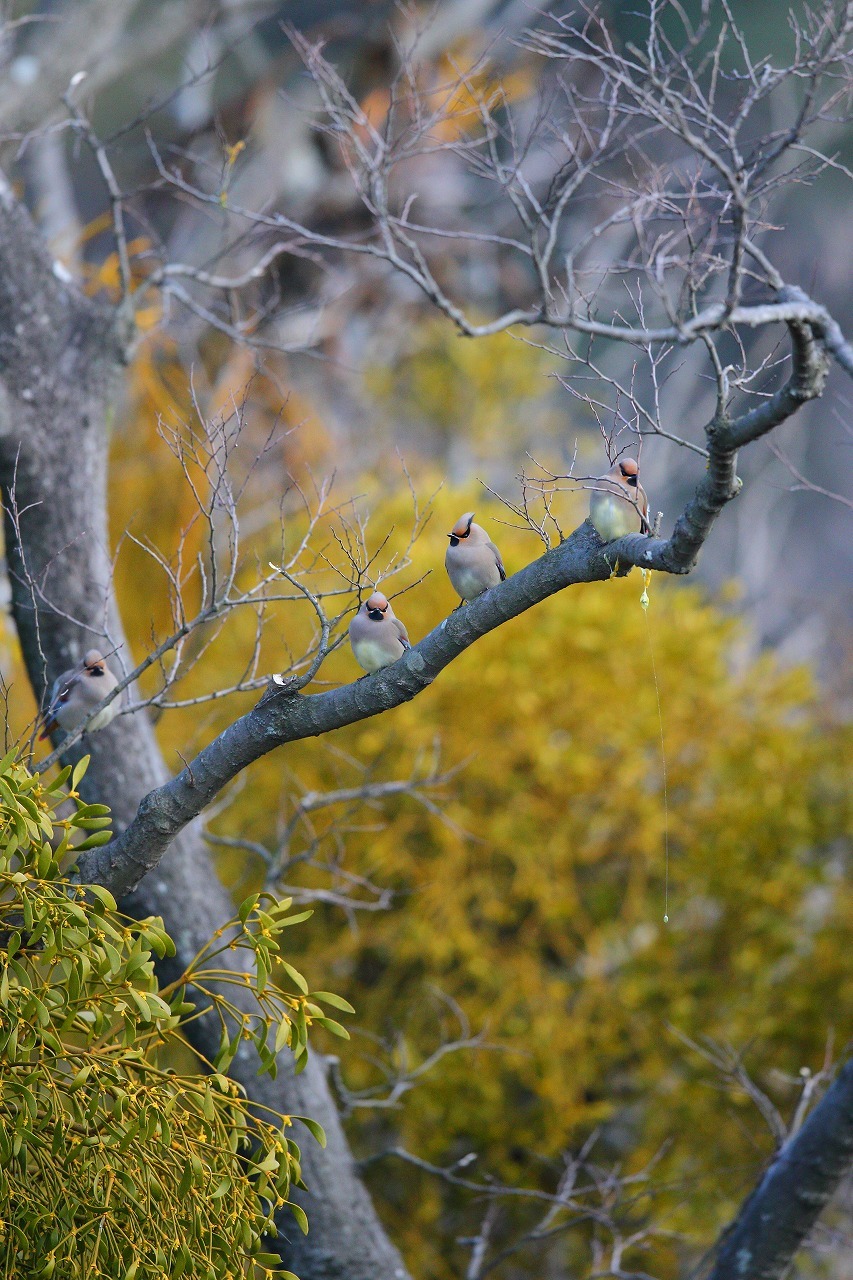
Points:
(113, 1163)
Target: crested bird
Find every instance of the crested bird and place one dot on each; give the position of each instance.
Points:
(619, 505)
(473, 562)
(77, 692)
(377, 635)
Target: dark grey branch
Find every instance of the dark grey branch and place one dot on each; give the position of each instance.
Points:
(783, 1208)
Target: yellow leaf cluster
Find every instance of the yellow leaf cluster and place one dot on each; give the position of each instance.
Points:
(487, 399)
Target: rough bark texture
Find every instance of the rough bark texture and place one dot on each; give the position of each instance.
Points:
(783, 1208)
(60, 363)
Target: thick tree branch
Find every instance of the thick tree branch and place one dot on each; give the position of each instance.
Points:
(790, 1197)
(283, 715)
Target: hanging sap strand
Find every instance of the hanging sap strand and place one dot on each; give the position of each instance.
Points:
(644, 604)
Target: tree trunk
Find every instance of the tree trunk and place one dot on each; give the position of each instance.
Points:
(61, 359)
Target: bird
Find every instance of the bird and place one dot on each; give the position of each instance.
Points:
(77, 692)
(377, 636)
(473, 562)
(619, 505)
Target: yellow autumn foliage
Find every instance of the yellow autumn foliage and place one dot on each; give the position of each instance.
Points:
(545, 924)
(538, 906)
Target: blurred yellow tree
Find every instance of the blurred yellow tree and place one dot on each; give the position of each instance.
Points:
(538, 904)
(545, 923)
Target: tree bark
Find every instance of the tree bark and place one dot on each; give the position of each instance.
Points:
(61, 360)
(778, 1216)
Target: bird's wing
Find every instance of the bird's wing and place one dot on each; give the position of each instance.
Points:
(498, 561)
(645, 527)
(60, 691)
(403, 634)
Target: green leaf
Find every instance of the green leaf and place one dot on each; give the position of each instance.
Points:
(335, 1027)
(103, 895)
(247, 906)
(299, 1215)
(282, 1036)
(92, 811)
(296, 919)
(296, 977)
(43, 861)
(337, 1002)
(313, 1127)
(93, 841)
(186, 1180)
(79, 771)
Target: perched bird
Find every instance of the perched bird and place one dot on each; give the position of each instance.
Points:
(378, 638)
(473, 562)
(619, 505)
(77, 692)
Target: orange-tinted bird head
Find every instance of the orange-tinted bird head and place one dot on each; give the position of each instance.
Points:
(629, 470)
(462, 528)
(377, 606)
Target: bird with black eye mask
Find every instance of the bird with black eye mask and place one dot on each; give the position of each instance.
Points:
(473, 562)
(618, 504)
(377, 636)
(76, 693)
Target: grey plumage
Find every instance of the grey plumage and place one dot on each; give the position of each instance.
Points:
(377, 636)
(473, 562)
(618, 505)
(76, 693)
